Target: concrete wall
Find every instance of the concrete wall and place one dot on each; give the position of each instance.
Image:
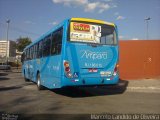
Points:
(139, 59)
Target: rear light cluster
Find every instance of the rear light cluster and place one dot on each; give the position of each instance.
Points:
(116, 69)
(67, 69)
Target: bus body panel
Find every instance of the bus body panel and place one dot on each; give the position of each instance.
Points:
(85, 58)
(51, 71)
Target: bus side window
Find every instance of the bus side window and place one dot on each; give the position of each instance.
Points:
(56, 42)
(53, 49)
(26, 56)
(28, 53)
(34, 51)
(59, 41)
(40, 49)
(31, 53)
(38, 56)
(46, 46)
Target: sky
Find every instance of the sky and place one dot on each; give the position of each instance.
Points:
(32, 18)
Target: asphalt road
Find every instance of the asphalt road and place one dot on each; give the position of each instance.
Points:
(18, 97)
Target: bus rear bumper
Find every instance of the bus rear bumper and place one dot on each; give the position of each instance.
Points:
(90, 81)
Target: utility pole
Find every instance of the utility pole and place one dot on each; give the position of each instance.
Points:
(147, 23)
(8, 21)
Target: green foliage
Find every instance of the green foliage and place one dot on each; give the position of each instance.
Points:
(22, 42)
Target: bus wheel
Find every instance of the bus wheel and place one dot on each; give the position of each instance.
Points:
(39, 86)
(25, 79)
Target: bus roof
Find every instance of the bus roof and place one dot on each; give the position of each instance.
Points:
(92, 20)
(72, 19)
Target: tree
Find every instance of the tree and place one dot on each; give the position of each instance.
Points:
(22, 42)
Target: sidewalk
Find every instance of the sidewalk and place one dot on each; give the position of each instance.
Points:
(142, 85)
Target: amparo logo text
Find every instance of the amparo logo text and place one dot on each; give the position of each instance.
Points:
(93, 55)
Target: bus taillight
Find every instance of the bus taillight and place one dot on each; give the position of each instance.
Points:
(67, 69)
(66, 64)
(116, 69)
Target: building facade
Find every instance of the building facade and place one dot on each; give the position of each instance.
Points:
(7, 48)
(139, 59)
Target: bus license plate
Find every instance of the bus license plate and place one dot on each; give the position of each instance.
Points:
(92, 70)
(105, 73)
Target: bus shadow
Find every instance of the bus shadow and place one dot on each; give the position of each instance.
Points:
(3, 74)
(92, 91)
(4, 78)
(9, 88)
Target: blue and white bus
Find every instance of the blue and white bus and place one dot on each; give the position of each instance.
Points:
(77, 52)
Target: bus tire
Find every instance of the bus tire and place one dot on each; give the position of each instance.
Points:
(39, 86)
(25, 79)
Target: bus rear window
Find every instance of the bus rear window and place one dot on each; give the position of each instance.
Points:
(92, 33)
